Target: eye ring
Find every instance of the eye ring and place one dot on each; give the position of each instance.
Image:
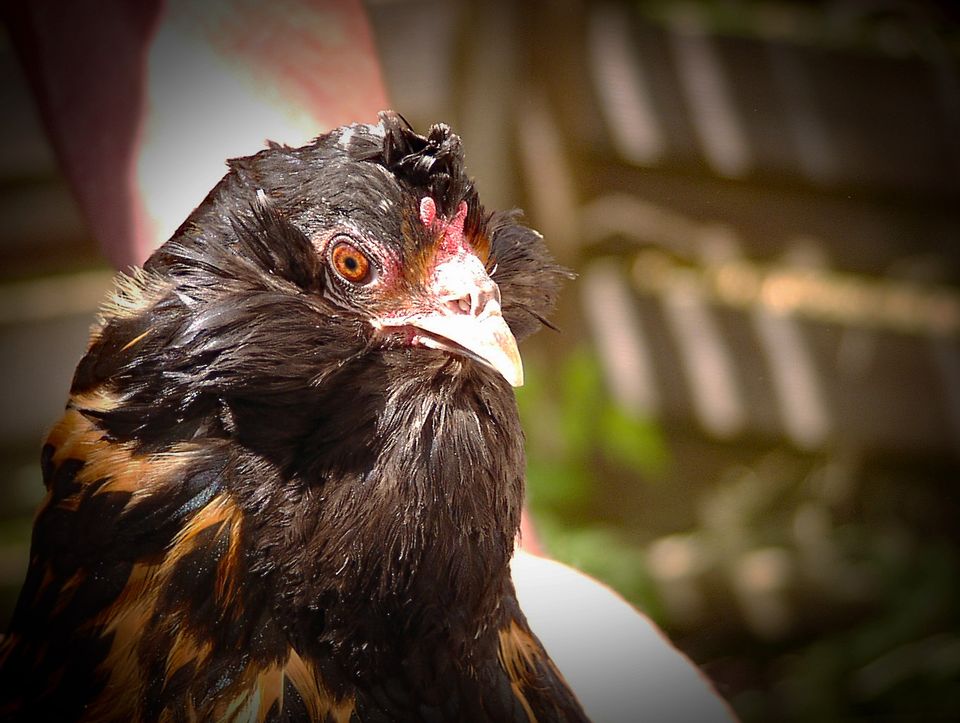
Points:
(350, 263)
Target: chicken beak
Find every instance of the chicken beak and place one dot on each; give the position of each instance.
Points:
(484, 337)
(464, 317)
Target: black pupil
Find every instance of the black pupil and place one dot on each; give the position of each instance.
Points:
(351, 263)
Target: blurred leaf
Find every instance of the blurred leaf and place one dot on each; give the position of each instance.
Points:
(634, 443)
(582, 396)
(557, 486)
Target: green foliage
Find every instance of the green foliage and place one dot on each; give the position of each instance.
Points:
(634, 443)
(575, 430)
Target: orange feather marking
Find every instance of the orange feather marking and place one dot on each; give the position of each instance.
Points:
(99, 399)
(320, 702)
(135, 340)
(226, 587)
(270, 684)
(184, 650)
(219, 512)
(67, 590)
(520, 654)
(112, 465)
(125, 620)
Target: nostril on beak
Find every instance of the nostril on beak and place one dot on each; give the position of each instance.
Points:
(464, 304)
(476, 301)
(481, 298)
(463, 287)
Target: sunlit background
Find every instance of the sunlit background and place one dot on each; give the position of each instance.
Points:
(749, 423)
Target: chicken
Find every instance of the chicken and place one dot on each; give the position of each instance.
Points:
(289, 475)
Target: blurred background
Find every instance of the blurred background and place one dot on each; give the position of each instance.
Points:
(749, 424)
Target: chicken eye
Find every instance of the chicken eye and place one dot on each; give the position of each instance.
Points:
(351, 263)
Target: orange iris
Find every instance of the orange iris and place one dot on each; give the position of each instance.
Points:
(350, 262)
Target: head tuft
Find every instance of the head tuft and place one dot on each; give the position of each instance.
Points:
(433, 163)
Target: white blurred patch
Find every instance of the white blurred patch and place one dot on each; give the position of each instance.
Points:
(622, 668)
(624, 92)
(623, 347)
(196, 97)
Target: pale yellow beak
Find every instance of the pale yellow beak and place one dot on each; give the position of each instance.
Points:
(463, 316)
